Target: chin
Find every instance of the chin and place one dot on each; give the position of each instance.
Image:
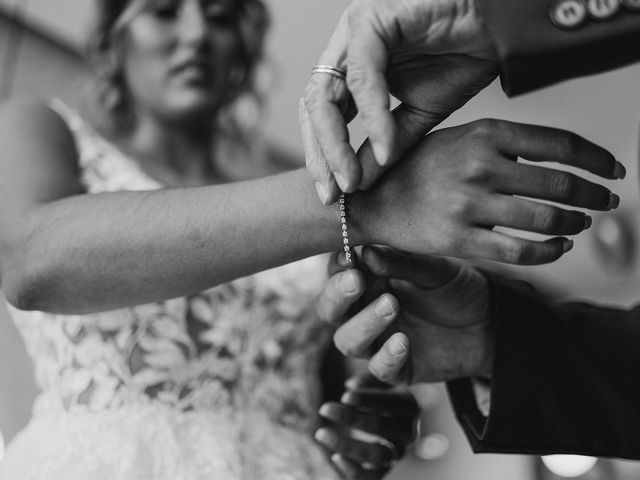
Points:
(197, 109)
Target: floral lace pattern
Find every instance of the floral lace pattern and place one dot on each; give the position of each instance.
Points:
(236, 366)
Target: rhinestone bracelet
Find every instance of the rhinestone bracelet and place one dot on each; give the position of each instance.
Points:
(343, 225)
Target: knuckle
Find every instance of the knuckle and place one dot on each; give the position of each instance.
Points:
(460, 245)
(563, 186)
(485, 128)
(546, 219)
(513, 252)
(461, 205)
(476, 169)
(569, 143)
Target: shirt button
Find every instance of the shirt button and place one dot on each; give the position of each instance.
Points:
(633, 5)
(602, 9)
(568, 13)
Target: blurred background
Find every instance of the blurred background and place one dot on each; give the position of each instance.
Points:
(41, 54)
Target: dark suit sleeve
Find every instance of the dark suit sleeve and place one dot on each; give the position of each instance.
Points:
(534, 52)
(566, 379)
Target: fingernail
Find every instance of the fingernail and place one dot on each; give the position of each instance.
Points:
(349, 398)
(397, 347)
(348, 282)
(619, 171)
(587, 222)
(325, 410)
(339, 460)
(323, 193)
(567, 245)
(342, 181)
(351, 383)
(384, 307)
(326, 437)
(380, 154)
(614, 201)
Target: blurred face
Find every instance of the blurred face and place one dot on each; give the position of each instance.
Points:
(179, 56)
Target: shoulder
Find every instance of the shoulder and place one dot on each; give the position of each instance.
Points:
(23, 118)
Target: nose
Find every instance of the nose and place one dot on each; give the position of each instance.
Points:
(192, 24)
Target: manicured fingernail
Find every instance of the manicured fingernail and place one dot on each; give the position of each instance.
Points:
(380, 154)
(342, 181)
(587, 222)
(619, 171)
(614, 201)
(384, 308)
(397, 347)
(326, 437)
(323, 193)
(567, 245)
(348, 282)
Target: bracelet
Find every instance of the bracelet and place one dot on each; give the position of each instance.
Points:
(343, 225)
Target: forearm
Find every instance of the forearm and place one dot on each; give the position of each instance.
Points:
(96, 252)
(562, 381)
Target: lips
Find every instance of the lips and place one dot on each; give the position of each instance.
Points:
(194, 67)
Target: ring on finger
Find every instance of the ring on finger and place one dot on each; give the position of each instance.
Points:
(329, 70)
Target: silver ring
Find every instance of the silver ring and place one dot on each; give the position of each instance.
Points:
(329, 70)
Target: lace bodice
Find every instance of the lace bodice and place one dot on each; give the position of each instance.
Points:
(248, 348)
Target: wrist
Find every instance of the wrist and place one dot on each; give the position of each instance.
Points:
(363, 219)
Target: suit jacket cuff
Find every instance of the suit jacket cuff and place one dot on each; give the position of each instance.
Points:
(535, 53)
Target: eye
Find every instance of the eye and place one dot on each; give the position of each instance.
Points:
(165, 9)
(219, 12)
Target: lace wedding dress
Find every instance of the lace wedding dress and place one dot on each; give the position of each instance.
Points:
(219, 386)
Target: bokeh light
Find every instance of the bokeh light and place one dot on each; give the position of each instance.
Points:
(569, 466)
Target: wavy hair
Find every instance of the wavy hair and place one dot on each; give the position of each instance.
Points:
(110, 101)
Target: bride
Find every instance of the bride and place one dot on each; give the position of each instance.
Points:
(152, 260)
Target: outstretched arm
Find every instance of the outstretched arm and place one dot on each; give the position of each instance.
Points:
(65, 251)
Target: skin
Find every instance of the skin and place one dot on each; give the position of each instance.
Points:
(432, 55)
(440, 304)
(151, 246)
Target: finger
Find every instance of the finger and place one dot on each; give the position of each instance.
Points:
(355, 336)
(482, 243)
(352, 470)
(521, 214)
(323, 98)
(329, 105)
(369, 422)
(390, 403)
(373, 454)
(365, 381)
(555, 185)
(318, 168)
(545, 144)
(338, 262)
(397, 430)
(388, 363)
(339, 294)
(411, 126)
(366, 67)
(424, 271)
